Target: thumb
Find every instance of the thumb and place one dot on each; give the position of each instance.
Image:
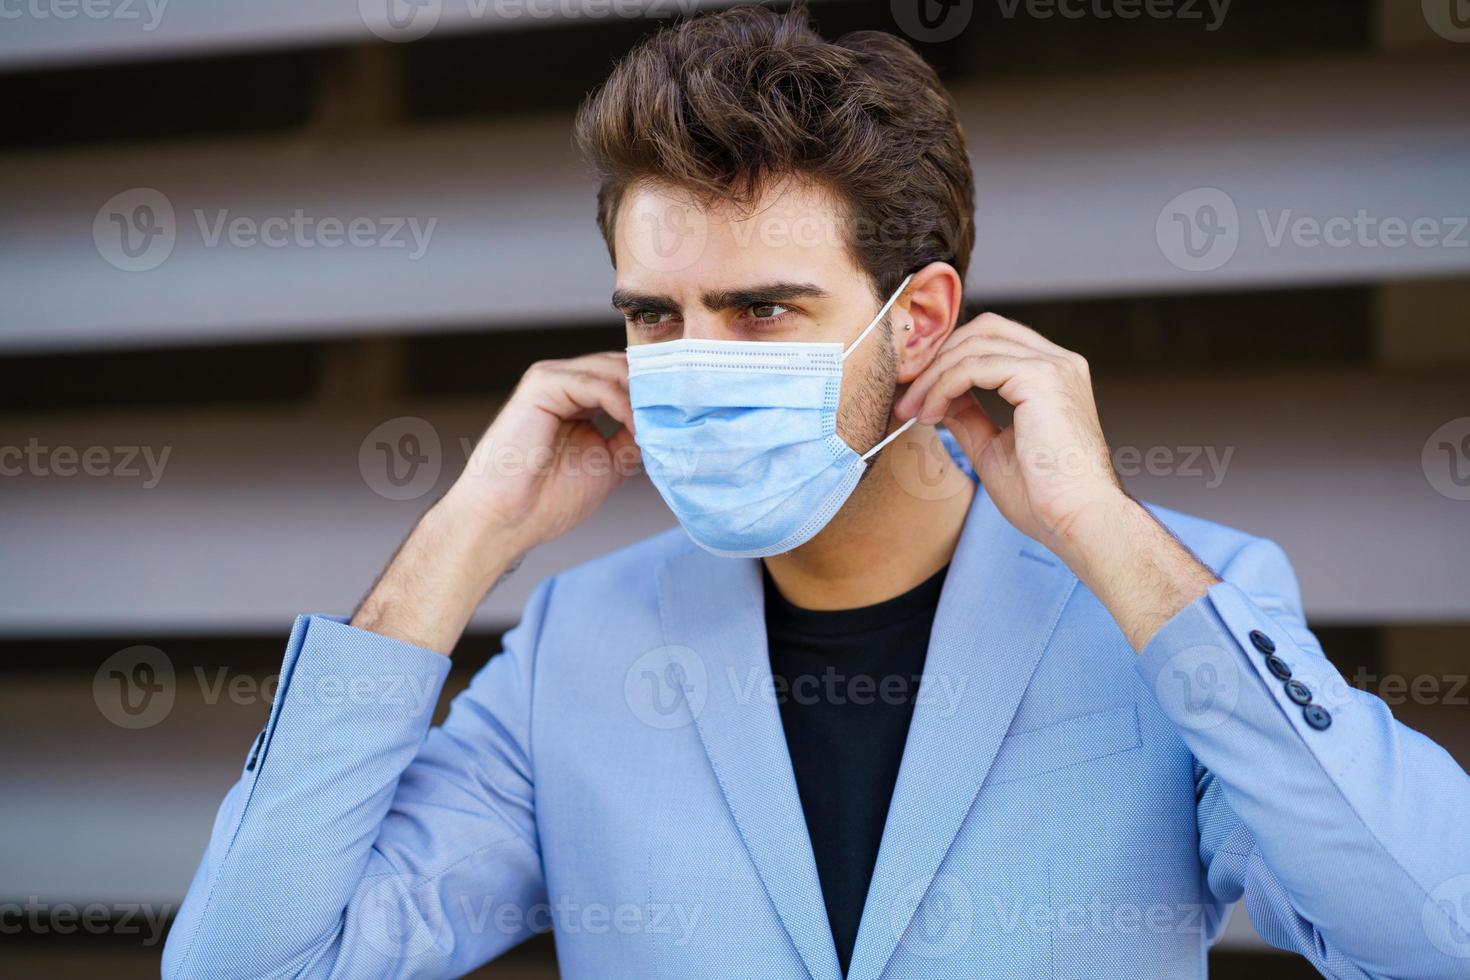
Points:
(627, 458)
(971, 425)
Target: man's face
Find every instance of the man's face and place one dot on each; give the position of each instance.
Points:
(777, 272)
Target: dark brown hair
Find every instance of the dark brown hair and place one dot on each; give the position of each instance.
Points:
(721, 104)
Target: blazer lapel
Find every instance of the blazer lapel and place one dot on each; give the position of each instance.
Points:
(1002, 598)
(716, 608)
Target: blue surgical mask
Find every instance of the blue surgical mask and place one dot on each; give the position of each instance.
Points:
(740, 437)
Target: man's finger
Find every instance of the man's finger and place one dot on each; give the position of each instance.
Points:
(971, 425)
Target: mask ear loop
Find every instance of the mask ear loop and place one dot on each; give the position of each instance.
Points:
(863, 336)
(889, 438)
(877, 319)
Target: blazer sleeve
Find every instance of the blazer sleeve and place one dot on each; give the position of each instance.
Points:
(358, 842)
(1345, 830)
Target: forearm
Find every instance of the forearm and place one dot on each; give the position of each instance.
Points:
(1135, 567)
(290, 845)
(1341, 801)
(440, 574)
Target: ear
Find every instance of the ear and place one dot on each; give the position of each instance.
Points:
(930, 307)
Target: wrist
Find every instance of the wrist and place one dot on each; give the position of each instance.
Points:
(1134, 565)
(1093, 533)
(443, 570)
(479, 528)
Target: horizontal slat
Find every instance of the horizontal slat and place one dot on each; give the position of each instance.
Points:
(263, 514)
(1074, 179)
(51, 33)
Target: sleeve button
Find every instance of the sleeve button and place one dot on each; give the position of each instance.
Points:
(1262, 642)
(1317, 716)
(1278, 667)
(1299, 692)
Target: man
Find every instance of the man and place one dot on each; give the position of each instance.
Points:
(862, 716)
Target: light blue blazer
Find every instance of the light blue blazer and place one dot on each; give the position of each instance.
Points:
(1065, 808)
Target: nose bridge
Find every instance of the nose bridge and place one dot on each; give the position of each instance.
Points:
(701, 324)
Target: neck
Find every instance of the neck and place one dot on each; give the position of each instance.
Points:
(899, 527)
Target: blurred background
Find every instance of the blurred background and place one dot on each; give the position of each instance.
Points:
(266, 271)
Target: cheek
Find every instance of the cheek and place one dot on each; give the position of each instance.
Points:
(868, 380)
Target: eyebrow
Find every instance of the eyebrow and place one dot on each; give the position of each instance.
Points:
(725, 299)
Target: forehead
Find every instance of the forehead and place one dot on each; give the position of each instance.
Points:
(666, 240)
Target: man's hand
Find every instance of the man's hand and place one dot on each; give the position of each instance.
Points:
(539, 470)
(1050, 472)
(542, 467)
(1051, 466)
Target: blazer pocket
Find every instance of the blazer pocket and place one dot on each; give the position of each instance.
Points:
(1067, 743)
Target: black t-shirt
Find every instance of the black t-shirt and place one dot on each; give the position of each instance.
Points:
(847, 681)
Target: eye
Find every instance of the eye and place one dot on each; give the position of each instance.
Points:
(647, 326)
(647, 320)
(766, 311)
